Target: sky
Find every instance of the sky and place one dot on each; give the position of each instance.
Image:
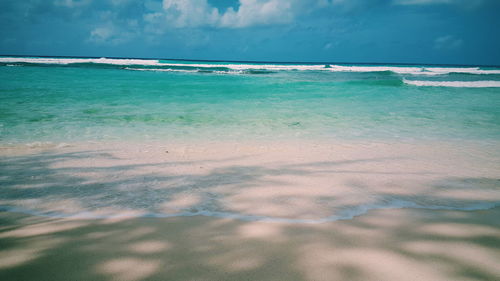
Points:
(382, 31)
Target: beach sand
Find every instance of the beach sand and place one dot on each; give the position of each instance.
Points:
(287, 181)
(252, 211)
(382, 245)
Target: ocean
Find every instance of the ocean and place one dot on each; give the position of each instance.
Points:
(60, 104)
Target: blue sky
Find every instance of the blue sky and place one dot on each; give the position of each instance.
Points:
(414, 31)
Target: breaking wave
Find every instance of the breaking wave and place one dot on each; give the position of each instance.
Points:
(249, 68)
(456, 84)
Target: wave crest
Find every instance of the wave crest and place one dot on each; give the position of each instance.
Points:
(249, 67)
(456, 84)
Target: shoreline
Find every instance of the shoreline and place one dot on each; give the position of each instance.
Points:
(292, 181)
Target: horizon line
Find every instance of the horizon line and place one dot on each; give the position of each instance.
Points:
(254, 61)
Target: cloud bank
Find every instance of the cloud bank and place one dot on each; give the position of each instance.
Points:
(196, 13)
(448, 31)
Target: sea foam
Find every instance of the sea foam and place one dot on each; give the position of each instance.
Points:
(78, 60)
(407, 70)
(456, 84)
(345, 214)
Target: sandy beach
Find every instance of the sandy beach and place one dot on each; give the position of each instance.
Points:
(382, 245)
(287, 181)
(283, 140)
(250, 211)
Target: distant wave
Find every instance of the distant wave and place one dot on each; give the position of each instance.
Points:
(160, 69)
(457, 84)
(78, 60)
(203, 70)
(413, 70)
(249, 68)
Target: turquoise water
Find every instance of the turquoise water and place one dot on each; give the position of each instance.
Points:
(433, 134)
(75, 100)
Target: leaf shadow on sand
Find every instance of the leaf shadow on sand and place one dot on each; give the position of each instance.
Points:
(404, 244)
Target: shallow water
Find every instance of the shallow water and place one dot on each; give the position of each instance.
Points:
(62, 100)
(271, 142)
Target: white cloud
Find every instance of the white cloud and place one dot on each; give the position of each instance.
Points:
(259, 12)
(464, 3)
(113, 32)
(182, 13)
(448, 42)
(120, 2)
(101, 34)
(421, 2)
(194, 13)
(71, 3)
